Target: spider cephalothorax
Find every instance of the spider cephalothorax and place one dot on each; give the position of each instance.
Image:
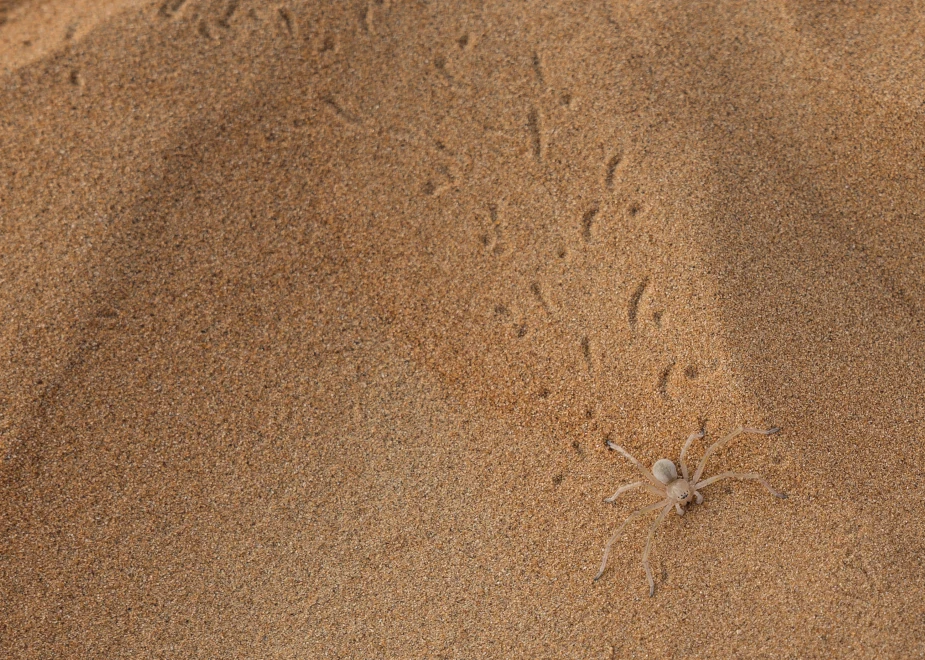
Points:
(674, 491)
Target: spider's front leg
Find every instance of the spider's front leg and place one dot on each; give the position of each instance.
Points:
(738, 475)
(616, 535)
(645, 553)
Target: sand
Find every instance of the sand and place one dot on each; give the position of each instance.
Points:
(317, 318)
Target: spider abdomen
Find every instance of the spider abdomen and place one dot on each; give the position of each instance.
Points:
(665, 471)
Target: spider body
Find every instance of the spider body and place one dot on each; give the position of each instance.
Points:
(673, 490)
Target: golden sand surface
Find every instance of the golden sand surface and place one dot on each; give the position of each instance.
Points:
(317, 318)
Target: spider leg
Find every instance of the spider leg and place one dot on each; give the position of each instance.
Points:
(720, 443)
(740, 475)
(677, 507)
(659, 492)
(616, 534)
(639, 466)
(696, 435)
(623, 489)
(698, 498)
(645, 553)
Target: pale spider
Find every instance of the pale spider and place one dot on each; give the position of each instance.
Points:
(663, 481)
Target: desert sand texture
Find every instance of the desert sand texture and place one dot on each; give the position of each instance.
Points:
(317, 318)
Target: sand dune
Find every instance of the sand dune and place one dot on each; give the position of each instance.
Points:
(317, 318)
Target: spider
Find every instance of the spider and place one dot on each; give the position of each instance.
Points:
(663, 481)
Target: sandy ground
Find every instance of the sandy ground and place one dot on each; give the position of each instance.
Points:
(317, 318)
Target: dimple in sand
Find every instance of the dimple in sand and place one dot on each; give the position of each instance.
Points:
(676, 492)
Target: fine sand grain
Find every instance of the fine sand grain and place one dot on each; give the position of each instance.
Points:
(317, 316)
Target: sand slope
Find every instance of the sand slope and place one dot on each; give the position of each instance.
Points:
(318, 316)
